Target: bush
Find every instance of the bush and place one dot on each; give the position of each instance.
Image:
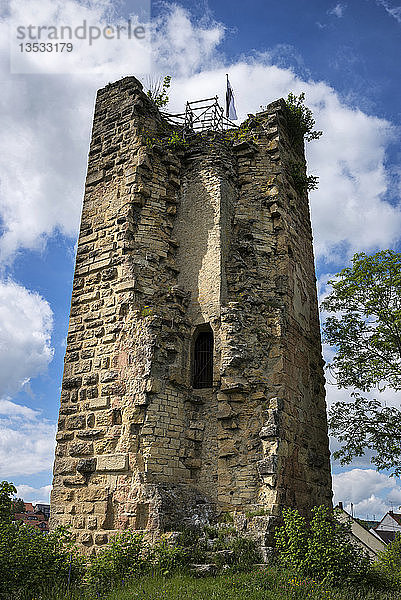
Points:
(167, 558)
(302, 182)
(292, 540)
(300, 117)
(31, 561)
(322, 550)
(221, 545)
(122, 559)
(158, 91)
(195, 543)
(388, 564)
(245, 554)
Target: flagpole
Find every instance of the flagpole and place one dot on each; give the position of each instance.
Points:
(231, 113)
(227, 98)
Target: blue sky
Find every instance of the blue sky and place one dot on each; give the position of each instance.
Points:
(344, 55)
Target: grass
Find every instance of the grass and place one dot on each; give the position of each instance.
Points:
(268, 584)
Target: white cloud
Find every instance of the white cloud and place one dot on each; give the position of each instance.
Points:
(393, 11)
(373, 507)
(394, 497)
(182, 47)
(358, 484)
(337, 10)
(34, 495)
(44, 136)
(348, 211)
(26, 322)
(46, 124)
(27, 441)
(9, 409)
(369, 491)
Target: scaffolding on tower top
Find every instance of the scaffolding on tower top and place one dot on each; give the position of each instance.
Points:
(199, 116)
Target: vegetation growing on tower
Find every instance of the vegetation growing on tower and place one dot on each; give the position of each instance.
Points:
(301, 121)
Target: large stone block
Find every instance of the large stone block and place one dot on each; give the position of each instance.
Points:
(64, 466)
(267, 466)
(71, 382)
(86, 466)
(76, 422)
(102, 402)
(112, 462)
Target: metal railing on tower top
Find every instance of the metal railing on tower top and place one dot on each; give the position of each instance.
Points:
(200, 115)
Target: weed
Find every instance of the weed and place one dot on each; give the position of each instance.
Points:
(302, 182)
(300, 119)
(146, 311)
(158, 91)
(260, 512)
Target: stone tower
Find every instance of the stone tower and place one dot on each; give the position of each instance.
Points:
(193, 381)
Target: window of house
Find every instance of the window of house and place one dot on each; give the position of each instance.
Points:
(202, 371)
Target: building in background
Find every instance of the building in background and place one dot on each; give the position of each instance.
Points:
(388, 527)
(359, 535)
(35, 516)
(44, 509)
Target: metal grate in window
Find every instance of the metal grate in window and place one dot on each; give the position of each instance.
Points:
(203, 360)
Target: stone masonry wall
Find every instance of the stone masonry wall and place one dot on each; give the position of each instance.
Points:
(271, 360)
(172, 239)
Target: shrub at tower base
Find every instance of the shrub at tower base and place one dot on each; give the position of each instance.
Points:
(322, 550)
(32, 562)
(313, 561)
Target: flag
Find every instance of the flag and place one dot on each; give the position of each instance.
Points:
(231, 113)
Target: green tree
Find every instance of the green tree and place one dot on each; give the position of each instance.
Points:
(365, 328)
(7, 491)
(367, 425)
(18, 506)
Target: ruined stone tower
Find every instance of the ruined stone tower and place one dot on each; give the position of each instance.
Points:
(193, 380)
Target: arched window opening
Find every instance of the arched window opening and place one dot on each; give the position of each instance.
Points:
(203, 358)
